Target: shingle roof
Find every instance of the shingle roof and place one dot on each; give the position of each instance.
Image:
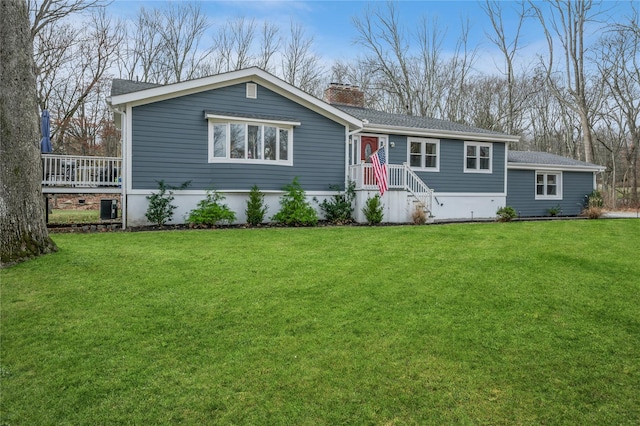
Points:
(401, 120)
(545, 158)
(120, 87)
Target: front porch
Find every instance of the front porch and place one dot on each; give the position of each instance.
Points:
(75, 174)
(402, 180)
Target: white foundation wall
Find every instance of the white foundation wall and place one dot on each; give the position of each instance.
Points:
(188, 200)
(398, 206)
(467, 206)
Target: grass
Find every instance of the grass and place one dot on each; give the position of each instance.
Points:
(67, 216)
(517, 323)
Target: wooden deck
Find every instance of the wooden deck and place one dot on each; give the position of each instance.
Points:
(74, 174)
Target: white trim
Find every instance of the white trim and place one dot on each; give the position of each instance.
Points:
(250, 120)
(252, 91)
(478, 145)
(469, 194)
(441, 134)
(129, 151)
(559, 168)
(203, 192)
(253, 74)
(383, 140)
(229, 160)
(423, 142)
(506, 169)
(559, 184)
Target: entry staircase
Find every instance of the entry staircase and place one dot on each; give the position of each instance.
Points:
(401, 177)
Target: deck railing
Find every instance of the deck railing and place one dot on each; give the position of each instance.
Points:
(81, 171)
(400, 177)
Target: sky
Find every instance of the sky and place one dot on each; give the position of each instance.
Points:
(330, 23)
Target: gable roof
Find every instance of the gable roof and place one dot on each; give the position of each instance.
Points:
(120, 86)
(124, 92)
(545, 160)
(422, 126)
(127, 92)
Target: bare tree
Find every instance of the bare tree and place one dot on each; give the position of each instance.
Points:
(181, 29)
(45, 13)
(73, 82)
(619, 65)
(269, 46)
(23, 232)
(234, 44)
(300, 66)
(509, 49)
(459, 70)
(139, 58)
(382, 36)
(431, 87)
(568, 19)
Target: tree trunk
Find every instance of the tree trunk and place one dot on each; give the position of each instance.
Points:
(23, 231)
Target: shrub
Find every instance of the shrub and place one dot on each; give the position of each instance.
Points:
(373, 210)
(294, 208)
(593, 205)
(339, 208)
(256, 209)
(419, 217)
(592, 212)
(594, 199)
(160, 209)
(555, 210)
(506, 214)
(211, 211)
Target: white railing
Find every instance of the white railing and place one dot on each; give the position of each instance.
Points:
(400, 177)
(81, 171)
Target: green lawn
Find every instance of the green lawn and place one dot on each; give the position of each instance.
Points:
(514, 323)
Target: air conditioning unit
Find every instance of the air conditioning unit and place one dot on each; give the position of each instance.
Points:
(108, 209)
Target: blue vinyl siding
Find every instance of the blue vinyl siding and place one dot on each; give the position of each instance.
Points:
(521, 193)
(170, 142)
(451, 177)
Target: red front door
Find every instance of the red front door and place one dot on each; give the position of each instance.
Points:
(368, 145)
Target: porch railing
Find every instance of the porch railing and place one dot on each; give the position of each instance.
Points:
(400, 177)
(81, 171)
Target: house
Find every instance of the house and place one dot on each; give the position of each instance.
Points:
(233, 130)
(538, 182)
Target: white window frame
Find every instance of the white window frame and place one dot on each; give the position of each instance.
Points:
(545, 196)
(478, 145)
(423, 154)
(279, 125)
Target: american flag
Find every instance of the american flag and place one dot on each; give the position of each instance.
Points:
(379, 160)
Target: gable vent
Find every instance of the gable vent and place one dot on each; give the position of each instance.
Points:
(252, 90)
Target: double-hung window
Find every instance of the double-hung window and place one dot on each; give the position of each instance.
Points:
(236, 141)
(424, 154)
(548, 185)
(478, 157)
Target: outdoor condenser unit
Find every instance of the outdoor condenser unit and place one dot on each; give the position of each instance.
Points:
(108, 209)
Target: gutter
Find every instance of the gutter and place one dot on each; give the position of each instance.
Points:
(441, 134)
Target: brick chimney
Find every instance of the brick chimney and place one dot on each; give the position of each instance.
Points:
(344, 94)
